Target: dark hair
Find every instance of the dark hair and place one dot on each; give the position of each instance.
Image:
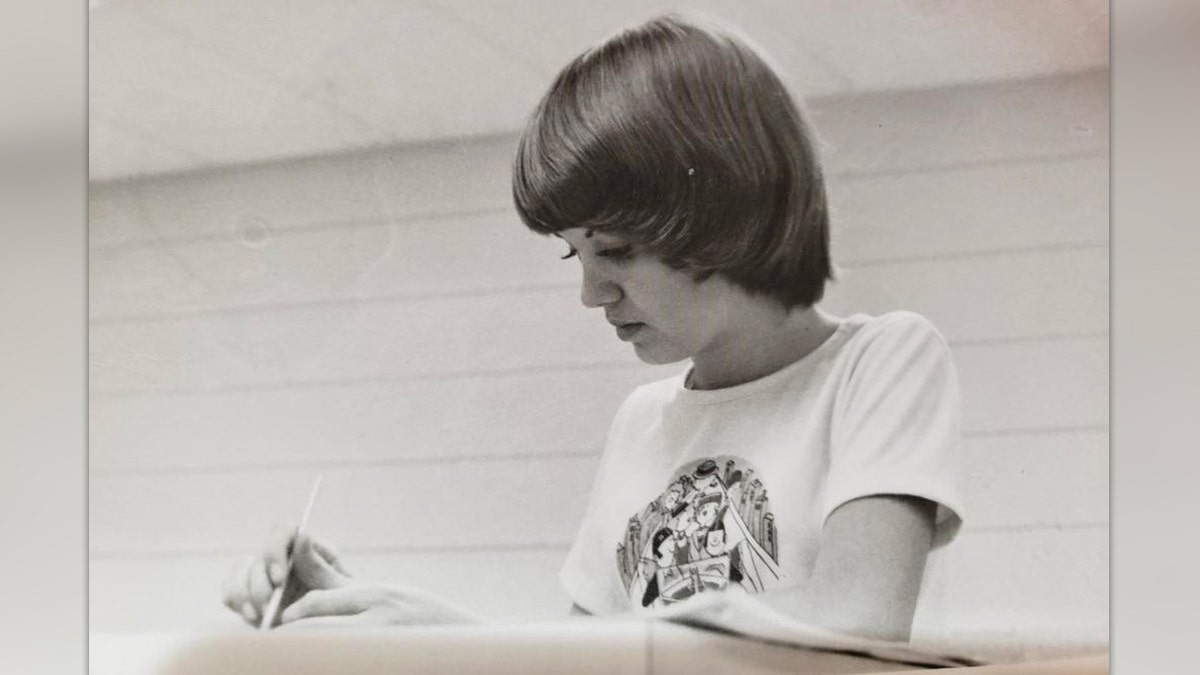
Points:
(718, 524)
(682, 139)
(659, 537)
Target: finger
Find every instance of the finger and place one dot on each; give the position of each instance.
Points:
(313, 569)
(275, 552)
(250, 614)
(259, 587)
(333, 602)
(330, 555)
(233, 589)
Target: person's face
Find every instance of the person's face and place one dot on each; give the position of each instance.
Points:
(707, 514)
(666, 549)
(671, 500)
(663, 312)
(714, 542)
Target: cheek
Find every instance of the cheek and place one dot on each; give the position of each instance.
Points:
(688, 320)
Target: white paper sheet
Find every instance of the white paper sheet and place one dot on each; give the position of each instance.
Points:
(747, 617)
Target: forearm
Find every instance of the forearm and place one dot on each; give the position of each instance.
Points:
(870, 616)
(867, 577)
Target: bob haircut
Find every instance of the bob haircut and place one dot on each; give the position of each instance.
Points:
(682, 139)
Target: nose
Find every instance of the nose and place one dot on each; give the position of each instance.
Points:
(598, 291)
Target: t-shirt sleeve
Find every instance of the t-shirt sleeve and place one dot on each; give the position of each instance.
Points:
(587, 574)
(897, 423)
(587, 566)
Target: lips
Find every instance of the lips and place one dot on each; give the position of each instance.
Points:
(627, 330)
(622, 323)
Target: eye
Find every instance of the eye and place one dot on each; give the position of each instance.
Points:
(617, 253)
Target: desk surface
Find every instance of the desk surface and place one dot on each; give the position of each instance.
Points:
(583, 647)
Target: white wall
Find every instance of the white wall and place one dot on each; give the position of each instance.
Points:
(384, 318)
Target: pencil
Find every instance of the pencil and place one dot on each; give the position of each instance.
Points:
(277, 596)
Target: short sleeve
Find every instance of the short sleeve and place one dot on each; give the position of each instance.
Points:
(896, 427)
(589, 564)
(588, 575)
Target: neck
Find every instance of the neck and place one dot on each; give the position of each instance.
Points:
(766, 339)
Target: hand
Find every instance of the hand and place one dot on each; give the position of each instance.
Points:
(315, 566)
(366, 605)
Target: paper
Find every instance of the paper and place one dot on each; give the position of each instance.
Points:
(747, 617)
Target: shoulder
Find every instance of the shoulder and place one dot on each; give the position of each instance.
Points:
(899, 331)
(894, 348)
(896, 324)
(648, 399)
(641, 411)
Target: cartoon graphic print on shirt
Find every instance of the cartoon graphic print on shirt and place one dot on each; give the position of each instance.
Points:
(711, 528)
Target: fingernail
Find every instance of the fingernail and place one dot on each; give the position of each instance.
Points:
(276, 573)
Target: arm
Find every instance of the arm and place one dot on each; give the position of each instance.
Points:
(895, 432)
(321, 594)
(868, 573)
(317, 566)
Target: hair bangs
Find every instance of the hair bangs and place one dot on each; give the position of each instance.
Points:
(584, 161)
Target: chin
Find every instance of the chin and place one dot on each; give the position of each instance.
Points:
(656, 355)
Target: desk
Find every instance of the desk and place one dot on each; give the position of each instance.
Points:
(579, 646)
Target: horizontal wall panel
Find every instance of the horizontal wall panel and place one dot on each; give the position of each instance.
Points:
(888, 131)
(1010, 479)
(1019, 594)
(184, 593)
(493, 252)
(1012, 482)
(1026, 205)
(482, 253)
(565, 412)
(497, 503)
(1034, 385)
(362, 340)
(970, 125)
(1047, 384)
(401, 182)
(927, 214)
(1026, 479)
(994, 297)
(535, 413)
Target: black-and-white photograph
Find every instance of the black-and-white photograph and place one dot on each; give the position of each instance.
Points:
(452, 336)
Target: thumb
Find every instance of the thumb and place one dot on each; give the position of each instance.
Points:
(313, 569)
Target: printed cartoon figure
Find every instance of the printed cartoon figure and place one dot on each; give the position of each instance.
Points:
(701, 536)
(664, 548)
(714, 541)
(703, 518)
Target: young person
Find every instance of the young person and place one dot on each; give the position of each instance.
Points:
(820, 451)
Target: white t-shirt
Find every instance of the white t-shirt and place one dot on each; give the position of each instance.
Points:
(725, 488)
